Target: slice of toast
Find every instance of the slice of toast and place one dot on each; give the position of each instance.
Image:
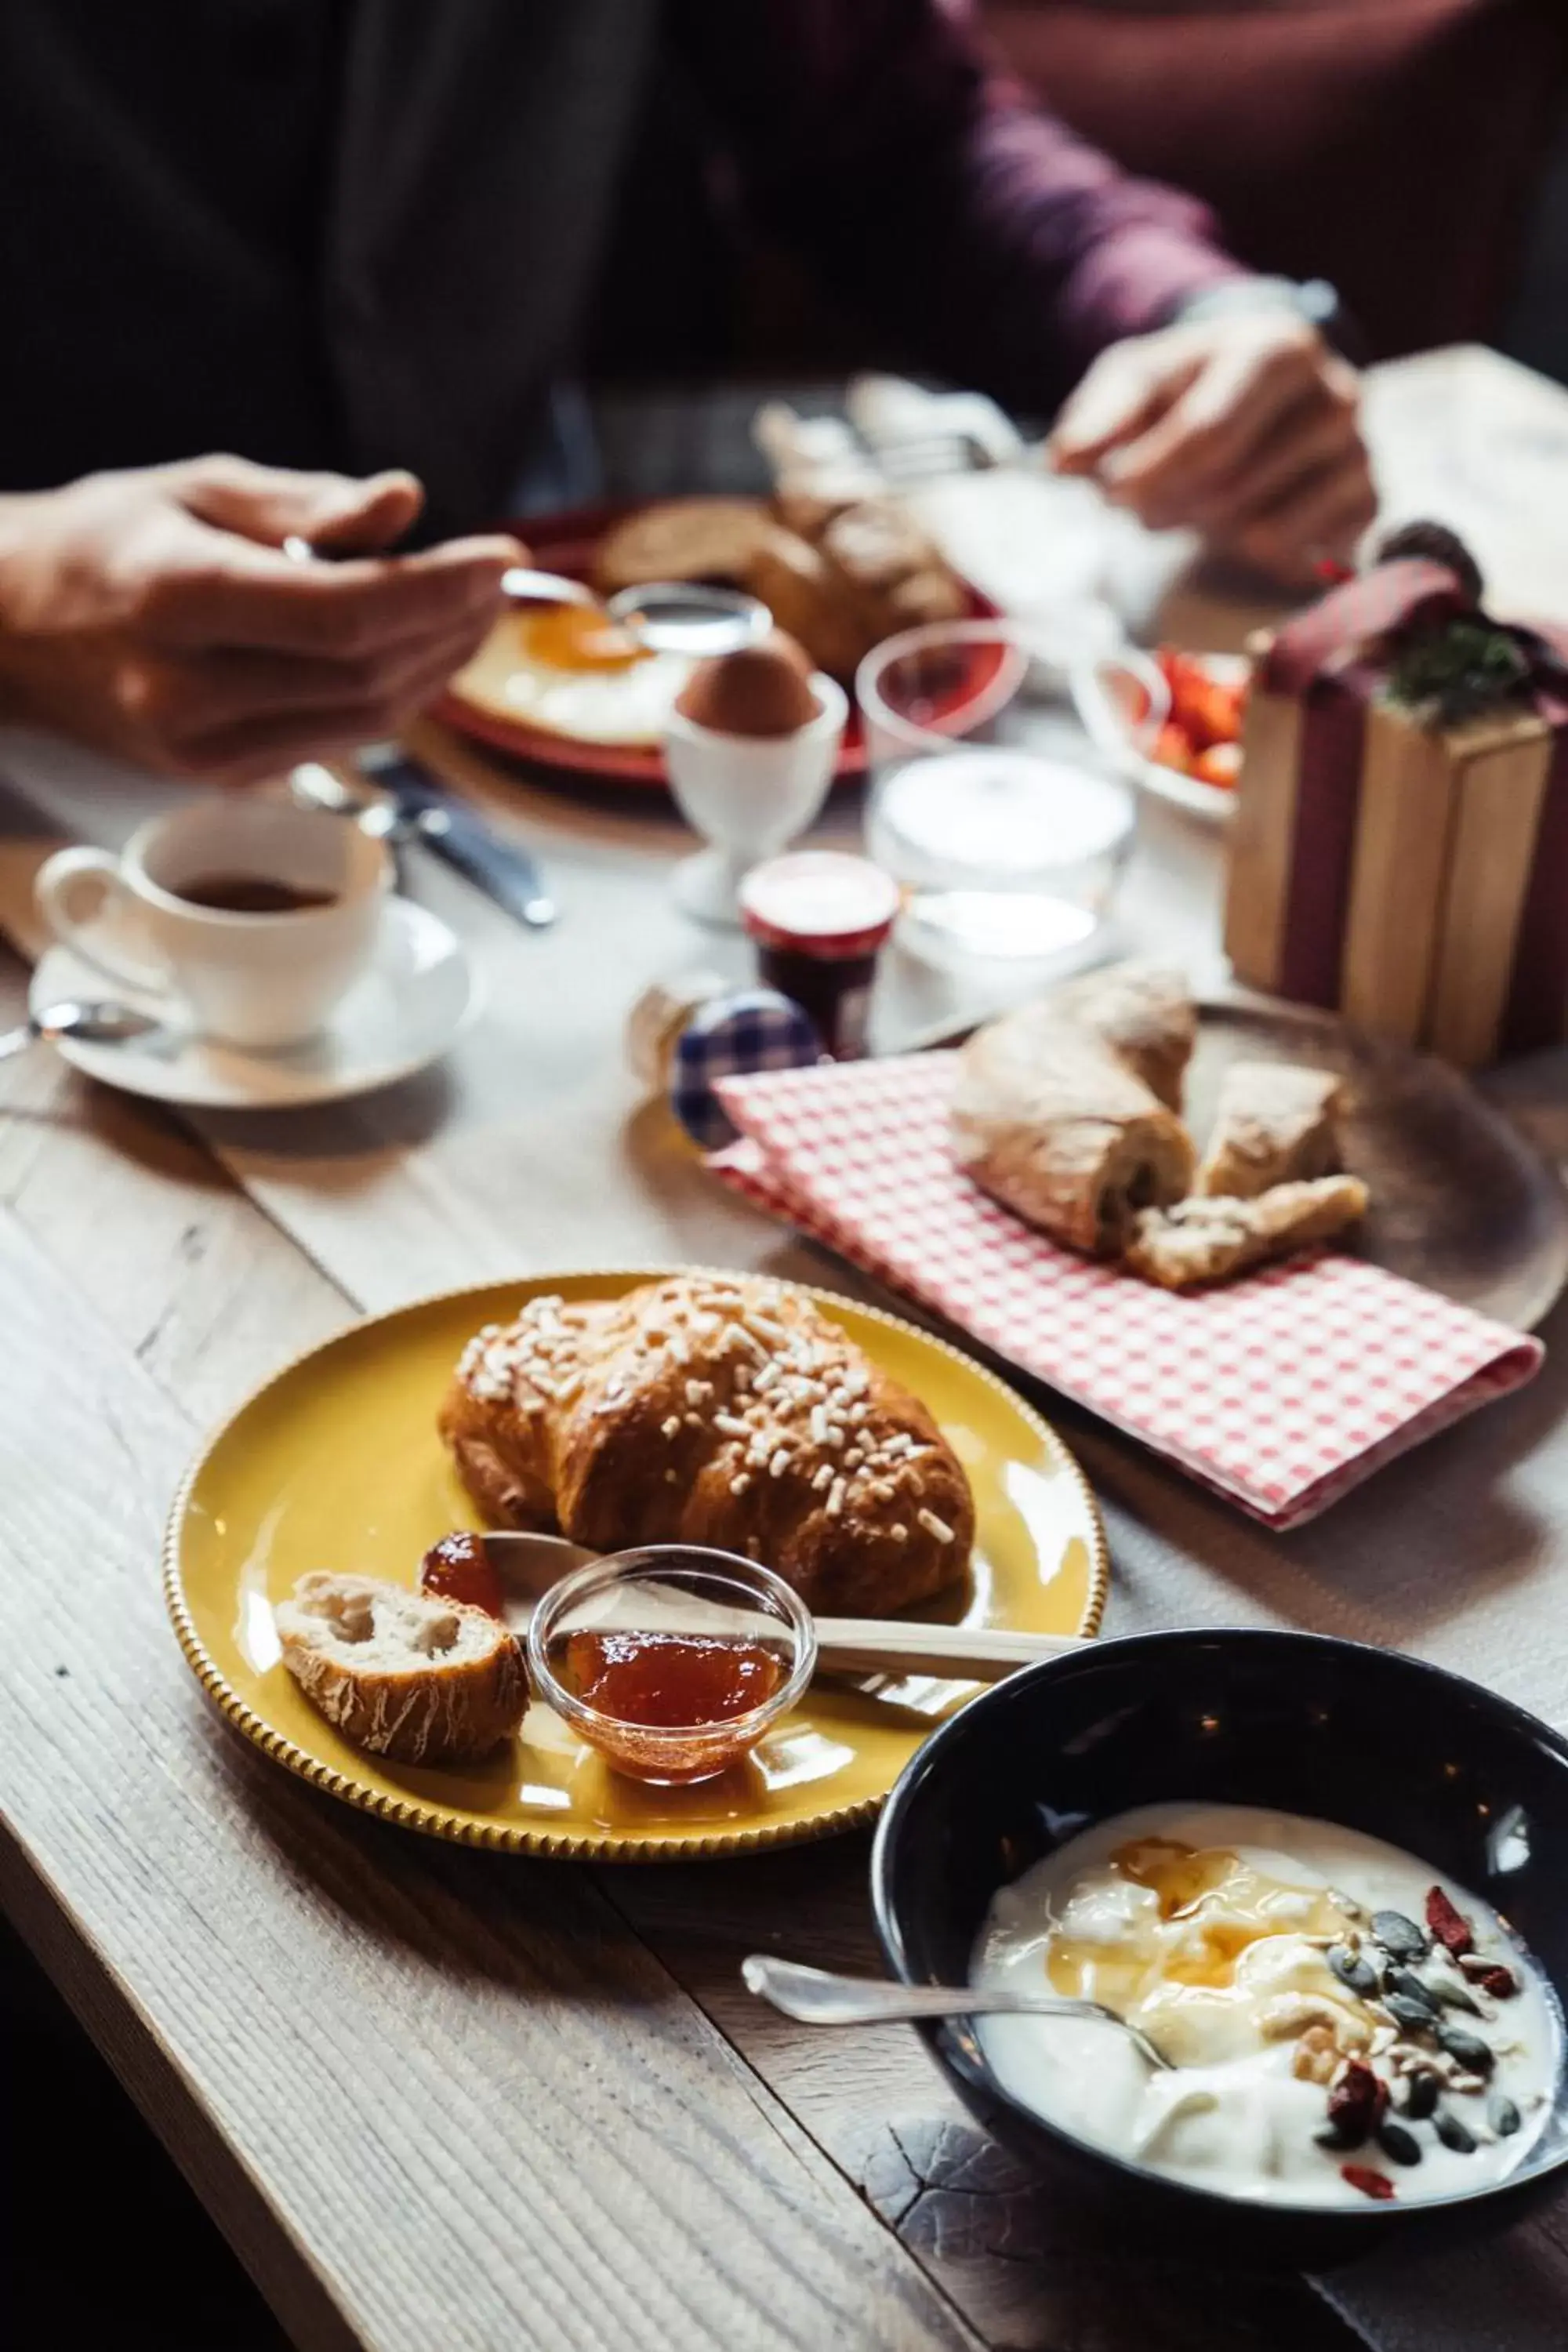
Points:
(403, 1674)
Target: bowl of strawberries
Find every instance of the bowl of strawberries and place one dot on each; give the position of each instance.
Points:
(1195, 761)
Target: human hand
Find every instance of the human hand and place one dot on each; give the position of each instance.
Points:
(1244, 428)
(154, 614)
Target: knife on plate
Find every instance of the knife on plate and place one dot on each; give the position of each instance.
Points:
(428, 814)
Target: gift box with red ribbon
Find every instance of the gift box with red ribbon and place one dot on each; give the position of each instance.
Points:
(1400, 849)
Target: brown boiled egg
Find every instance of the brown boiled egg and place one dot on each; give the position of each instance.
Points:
(763, 690)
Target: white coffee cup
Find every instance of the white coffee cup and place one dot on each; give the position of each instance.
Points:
(242, 979)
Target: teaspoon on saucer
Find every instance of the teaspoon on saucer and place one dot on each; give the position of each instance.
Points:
(105, 1024)
(528, 1565)
(817, 1997)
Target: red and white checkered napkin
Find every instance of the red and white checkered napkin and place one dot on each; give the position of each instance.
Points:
(1282, 1390)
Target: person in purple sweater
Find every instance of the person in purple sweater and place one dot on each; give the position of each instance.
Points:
(353, 241)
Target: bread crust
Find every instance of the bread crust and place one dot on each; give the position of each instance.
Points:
(354, 1645)
(1275, 1125)
(501, 1417)
(824, 1468)
(1047, 1120)
(683, 538)
(808, 601)
(1145, 1014)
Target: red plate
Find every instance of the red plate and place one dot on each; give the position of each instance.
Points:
(568, 543)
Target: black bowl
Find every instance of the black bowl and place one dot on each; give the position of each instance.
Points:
(1366, 1738)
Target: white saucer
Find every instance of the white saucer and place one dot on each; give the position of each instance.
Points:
(401, 1016)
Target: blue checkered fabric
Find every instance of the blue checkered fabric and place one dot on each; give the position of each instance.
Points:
(728, 1038)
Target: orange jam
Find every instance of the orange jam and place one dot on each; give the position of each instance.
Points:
(458, 1569)
(669, 1680)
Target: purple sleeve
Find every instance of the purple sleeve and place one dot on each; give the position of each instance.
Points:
(991, 240)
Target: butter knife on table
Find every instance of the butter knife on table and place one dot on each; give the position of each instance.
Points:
(419, 809)
(443, 822)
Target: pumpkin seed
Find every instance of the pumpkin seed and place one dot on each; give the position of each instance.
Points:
(1406, 1982)
(1420, 2095)
(1415, 2016)
(1399, 1937)
(1468, 2049)
(1502, 2114)
(1354, 1970)
(1401, 2146)
(1448, 1993)
(1452, 2133)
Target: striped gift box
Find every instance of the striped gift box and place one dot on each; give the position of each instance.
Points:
(1414, 878)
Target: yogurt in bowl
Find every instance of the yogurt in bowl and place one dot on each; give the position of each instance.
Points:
(1342, 2025)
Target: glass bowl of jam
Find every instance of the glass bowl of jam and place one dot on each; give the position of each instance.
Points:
(672, 1661)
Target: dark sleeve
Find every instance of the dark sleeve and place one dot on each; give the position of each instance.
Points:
(931, 194)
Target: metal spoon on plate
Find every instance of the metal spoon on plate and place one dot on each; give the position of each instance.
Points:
(528, 1565)
(104, 1023)
(817, 1997)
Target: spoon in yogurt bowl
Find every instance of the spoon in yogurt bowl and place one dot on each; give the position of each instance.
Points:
(819, 1997)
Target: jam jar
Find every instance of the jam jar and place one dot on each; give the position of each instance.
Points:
(819, 919)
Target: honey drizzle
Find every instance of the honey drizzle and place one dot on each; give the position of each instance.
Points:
(1230, 1904)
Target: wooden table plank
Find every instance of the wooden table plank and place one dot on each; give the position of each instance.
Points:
(129, 1202)
(441, 2074)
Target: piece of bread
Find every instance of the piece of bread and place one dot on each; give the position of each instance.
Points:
(817, 464)
(1049, 1121)
(502, 1417)
(402, 1673)
(886, 570)
(876, 542)
(683, 538)
(1203, 1240)
(1144, 1012)
(731, 1413)
(809, 602)
(1275, 1125)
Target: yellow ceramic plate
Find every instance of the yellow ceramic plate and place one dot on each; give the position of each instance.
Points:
(336, 1464)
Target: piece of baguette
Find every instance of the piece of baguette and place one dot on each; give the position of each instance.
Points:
(403, 1674)
(1144, 1012)
(1202, 1240)
(1274, 1125)
(1050, 1122)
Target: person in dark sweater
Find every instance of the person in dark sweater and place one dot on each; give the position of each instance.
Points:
(352, 240)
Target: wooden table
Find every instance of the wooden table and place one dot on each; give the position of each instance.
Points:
(439, 2098)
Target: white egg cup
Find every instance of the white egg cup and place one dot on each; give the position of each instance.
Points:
(748, 796)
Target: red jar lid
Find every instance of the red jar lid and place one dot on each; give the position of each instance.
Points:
(819, 902)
